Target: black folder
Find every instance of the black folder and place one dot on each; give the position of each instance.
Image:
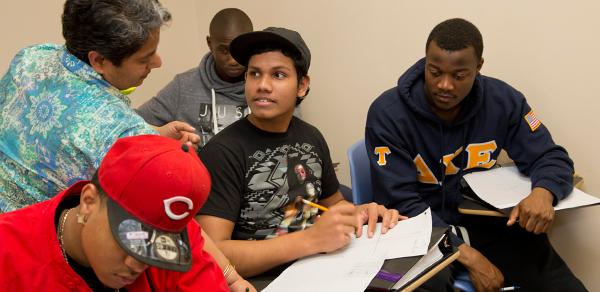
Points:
(395, 271)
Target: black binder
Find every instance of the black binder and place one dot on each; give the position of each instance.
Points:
(394, 271)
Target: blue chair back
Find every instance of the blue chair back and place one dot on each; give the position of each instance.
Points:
(360, 173)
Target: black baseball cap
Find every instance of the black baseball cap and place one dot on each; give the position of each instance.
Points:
(242, 47)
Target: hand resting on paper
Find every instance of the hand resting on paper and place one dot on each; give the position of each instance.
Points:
(535, 212)
(370, 214)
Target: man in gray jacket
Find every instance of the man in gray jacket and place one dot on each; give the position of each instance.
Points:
(211, 96)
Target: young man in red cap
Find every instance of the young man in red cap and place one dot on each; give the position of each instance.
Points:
(130, 227)
(265, 164)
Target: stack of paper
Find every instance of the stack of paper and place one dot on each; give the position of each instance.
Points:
(505, 187)
(353, 267)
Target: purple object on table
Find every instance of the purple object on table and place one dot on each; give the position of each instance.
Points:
(391, 277)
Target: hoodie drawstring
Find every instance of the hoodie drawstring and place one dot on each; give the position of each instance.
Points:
(443, 176)
(214, 112)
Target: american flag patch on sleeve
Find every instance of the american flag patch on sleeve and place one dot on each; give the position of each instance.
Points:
(532, 121)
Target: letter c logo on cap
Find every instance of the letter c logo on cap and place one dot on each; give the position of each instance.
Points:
(172, 200)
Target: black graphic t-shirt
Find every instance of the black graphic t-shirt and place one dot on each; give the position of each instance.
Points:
(260, 178)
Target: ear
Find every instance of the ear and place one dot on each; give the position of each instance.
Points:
(208, 43)
(480, 64)
(97, 61)
(303, 86)
(89, 199)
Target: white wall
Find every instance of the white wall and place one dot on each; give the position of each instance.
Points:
(547, 49)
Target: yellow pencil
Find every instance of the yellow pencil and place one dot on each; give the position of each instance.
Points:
(305, 201)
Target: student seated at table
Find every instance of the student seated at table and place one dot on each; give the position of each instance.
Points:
(262, 166)
(444, 119)
(130, 227)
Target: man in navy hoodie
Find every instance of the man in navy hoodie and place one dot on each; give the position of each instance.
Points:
(445, 119)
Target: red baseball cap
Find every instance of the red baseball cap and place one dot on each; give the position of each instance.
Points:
(155, 186)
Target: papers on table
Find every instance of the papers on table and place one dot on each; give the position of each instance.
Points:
(408, 238)
(353, 267)
(328, 272)
(505, 187)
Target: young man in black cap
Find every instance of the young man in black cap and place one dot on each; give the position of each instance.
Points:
(270, 160)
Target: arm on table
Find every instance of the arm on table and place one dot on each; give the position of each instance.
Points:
(252, 257)
(535, 212)
(547, 164)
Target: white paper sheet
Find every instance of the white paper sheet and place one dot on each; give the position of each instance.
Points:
(353, 267)
(505, 187)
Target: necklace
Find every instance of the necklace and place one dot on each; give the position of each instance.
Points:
(61, 229)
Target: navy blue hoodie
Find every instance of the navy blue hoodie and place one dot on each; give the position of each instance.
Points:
(417, 159)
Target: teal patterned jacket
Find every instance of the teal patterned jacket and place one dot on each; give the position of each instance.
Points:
(58, 118)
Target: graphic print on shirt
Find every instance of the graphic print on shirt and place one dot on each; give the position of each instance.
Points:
(382, 153)
(278, 180)
(479, 155)
(226, 115)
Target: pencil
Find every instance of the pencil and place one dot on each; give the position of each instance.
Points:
(305, 201)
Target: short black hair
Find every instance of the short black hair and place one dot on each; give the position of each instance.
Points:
(296, 59)
(114, 28)
(230, 19)
(456, 34)
(96, 182)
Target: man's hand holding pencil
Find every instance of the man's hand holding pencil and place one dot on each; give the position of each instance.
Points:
(333, 229)
(340, 219)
